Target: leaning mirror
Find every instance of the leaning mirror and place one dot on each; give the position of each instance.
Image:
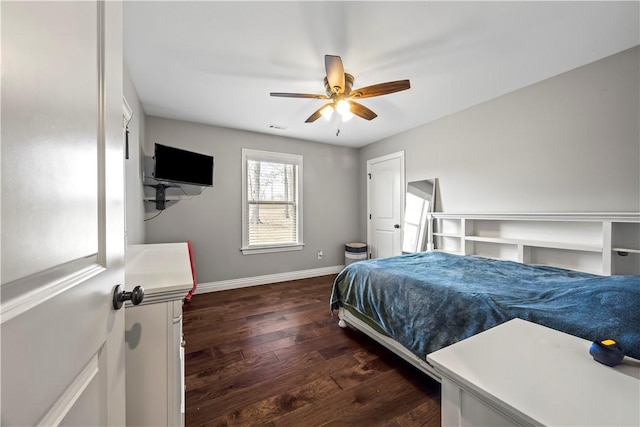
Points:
(419, 203)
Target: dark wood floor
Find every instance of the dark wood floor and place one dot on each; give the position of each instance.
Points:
(273, 355)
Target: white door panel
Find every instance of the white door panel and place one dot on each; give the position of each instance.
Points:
(385, 193)
(385, 200)
(384, 244)
(47, 157)
(62, 213)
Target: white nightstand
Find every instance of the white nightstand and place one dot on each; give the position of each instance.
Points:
(521, 373)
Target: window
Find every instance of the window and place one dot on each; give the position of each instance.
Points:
(272, 202)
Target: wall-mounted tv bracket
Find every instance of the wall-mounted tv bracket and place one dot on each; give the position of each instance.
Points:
(161, 197)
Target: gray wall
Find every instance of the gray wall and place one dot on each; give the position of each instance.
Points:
(567, 144)
(135, 231)
(212, 220)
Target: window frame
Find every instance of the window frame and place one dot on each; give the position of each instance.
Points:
(296, 159)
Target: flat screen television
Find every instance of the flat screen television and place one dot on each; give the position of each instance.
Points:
(182, 166)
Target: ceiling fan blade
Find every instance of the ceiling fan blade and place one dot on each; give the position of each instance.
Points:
(362, 111)
(299, 95)
(335, 73)
(316, 115)
(380, 89)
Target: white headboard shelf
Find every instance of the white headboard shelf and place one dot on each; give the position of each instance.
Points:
(599, 243)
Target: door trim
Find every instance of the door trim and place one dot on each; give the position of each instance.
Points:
(400, 155)
(23, 295)
(67, 400)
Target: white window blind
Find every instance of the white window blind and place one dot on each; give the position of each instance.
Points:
(271, 201)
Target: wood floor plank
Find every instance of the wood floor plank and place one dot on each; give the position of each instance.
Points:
(351, 404)
(266, 410)
(207, 359)
(249, 389)
(427, 414)
(389, 401)
(317, 344)
(273, 355)
(221, 370)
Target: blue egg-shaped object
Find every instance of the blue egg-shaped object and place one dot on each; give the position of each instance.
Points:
(607, 352)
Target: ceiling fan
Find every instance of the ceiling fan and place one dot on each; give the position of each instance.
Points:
(338, 87)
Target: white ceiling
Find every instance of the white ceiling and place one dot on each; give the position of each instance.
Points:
(215, 62)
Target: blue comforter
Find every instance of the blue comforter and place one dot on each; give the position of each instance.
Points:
(429, 300)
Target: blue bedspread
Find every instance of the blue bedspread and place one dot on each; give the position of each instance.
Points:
(429, 300)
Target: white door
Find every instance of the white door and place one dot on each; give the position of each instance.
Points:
(62, 218)
(385, 202)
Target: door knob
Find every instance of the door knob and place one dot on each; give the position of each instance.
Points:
(120, 296)
(396, 226)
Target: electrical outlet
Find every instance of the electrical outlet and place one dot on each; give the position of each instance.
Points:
(320, 255)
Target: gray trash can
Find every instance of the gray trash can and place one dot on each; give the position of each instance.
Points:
(354, 252)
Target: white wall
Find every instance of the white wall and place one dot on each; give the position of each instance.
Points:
(212, 220)
(135, 231)
(567, 144)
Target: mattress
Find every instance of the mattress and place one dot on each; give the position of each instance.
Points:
(429, 300)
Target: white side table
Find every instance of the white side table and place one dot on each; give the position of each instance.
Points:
(521, 373)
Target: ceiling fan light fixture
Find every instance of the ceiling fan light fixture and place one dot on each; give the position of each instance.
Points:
(343, 107)
(346, 116)
(327, 112)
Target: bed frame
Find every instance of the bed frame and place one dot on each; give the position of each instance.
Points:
(598, 243)
(349, 320)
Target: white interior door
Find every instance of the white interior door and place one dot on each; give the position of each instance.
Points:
(385, 203)
(62, 225)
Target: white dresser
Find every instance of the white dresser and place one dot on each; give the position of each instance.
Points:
(155, 351)
(521, 373)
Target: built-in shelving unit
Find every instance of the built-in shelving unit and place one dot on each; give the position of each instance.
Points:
(605, 244)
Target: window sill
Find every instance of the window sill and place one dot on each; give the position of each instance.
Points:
(270, 249)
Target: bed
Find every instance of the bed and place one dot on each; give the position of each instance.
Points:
(415, 304)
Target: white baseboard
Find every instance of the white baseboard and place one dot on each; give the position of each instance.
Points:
(268, 278)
